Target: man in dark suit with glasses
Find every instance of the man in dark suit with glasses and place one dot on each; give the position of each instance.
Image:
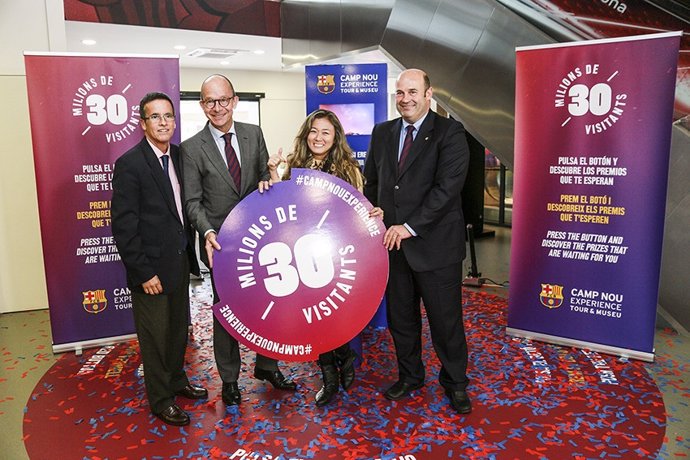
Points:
(154, 239)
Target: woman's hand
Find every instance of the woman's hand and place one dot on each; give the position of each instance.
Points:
(376, 212)
(265, 185)
(275, 160)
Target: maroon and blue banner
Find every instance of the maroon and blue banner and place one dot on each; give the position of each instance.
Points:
(610, 19)
(357, 93)
(84, 112)
(302, 268)
(592, 141)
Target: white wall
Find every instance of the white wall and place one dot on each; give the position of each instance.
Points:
(283, 109)
(37, 25)
(22, 280)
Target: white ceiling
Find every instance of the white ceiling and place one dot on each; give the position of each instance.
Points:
(116, 38)
(119, 39)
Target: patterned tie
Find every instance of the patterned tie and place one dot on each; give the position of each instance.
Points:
(233, 164)
(406, 147)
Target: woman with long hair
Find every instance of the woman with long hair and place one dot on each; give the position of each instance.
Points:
(321, 144)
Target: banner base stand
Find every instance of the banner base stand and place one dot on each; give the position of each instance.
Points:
(77, 347)
(622, 352)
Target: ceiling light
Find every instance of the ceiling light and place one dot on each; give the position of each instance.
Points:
(88, 42)
(180, 47)
(215, 53)
(259, 52)
(224, 63)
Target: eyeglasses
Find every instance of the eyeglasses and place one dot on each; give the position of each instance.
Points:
(157, 118)
(223, 101)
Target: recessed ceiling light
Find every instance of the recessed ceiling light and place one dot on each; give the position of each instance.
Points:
(259, 52)
(88, 42)
(180, 47)
(224, 63)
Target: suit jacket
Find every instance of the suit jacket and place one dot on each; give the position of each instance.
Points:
(210, 192)
(426, 193)
(148, 232)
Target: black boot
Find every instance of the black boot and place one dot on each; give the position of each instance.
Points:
(346, 363)
(330, 384)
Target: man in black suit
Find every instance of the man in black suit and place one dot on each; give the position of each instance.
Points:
(153, 239)
(222, 164)
(415, 170)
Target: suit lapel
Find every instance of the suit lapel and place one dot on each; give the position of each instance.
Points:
(391, 145)
(421, 142)
(245, 148)
(159, 177)
(210, 149)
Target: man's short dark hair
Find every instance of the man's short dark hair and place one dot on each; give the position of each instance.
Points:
(153, 96)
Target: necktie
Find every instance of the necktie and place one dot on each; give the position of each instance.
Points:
(231, 157)
(166, 161)
(406, 147)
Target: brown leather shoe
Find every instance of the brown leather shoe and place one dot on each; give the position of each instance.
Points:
(459, 401)
(276, 378)
(173, 415)
(193, 392)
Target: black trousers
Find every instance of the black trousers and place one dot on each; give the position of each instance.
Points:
(226, 350)
(161, 322)
(441, 292)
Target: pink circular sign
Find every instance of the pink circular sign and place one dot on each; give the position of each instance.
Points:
(302, 268)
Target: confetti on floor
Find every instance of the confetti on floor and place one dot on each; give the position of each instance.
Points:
(530, 401)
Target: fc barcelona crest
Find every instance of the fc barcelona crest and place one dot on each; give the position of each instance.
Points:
(325, 83)
(551, 295)
(94, 301)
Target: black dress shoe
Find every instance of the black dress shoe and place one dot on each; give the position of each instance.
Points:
(231, 394)
(401, 389)
(459, 401)
(173, 415)
(193, 392)
(276, 378)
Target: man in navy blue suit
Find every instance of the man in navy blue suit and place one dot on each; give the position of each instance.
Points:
(154, 240)
(415, 170)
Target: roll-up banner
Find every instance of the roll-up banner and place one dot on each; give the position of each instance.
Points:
(358, 95)
(592, 140)
(84, 112)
